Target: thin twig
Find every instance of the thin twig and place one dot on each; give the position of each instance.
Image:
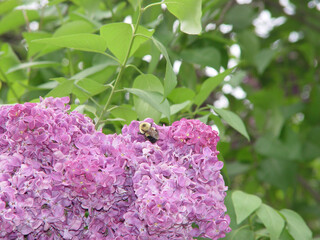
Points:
(152, 5)
(223, 12)
(122, 68)
(135, 67)
(27, 20)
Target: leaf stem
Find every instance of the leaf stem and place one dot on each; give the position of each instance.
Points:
(110, 56)
(223, 13)
(119, 90)
(87, 94)
(122, 68)
(199, 110)
(142, 35)
(27, 20)
(152, 5)
(114, 107)
(59, 14)
(71, 68)
(135, 67)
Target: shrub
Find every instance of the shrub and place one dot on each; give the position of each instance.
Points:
(60, 178)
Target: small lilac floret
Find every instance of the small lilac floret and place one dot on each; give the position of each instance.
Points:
(62, 179)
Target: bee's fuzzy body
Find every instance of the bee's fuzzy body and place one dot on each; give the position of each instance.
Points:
(150, 133)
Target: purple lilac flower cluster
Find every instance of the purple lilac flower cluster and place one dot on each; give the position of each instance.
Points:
(62, 179)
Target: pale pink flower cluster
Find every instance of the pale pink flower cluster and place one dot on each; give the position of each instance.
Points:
(62, 179)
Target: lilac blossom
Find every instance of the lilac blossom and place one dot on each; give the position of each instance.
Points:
(62, 179)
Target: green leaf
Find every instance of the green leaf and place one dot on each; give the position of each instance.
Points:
(188, 12)
(187, 75)
(180, 95)
(74, 27)
(8, 5)
(209, 85)
(91, 86)
(175, 108)
(230, 210)
(86, 88)
(134, 3)
(218, 122)
(208, 56)
(15, 79)
(170, 79)
(19, 91)
(296, 225)
(70, 28)
(9, 60)
(233, 120)
(39, 64)
(241, 234)
(285, 235)
(82, 41)
(92, 70)
(204, 118)
(15, 19)
(194, 225)
(84, 109)
(272, 220)
(236, 168)
(155, 58)
(124, 112)
(155, 99)
(77, 15)
(272, 147)
(59, 79)
(142, 35)
(263, 59)
(34, 48)
(240, 16)
(147, 82)
(249, 44)
(244, 204)
(312, 113)
(237, 78)
(64, 89)
(81, 94)
(118, 37)
(48, 85)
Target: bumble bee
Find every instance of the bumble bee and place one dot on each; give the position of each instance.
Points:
(150, 133)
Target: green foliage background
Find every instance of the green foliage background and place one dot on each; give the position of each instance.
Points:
(116, 72)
